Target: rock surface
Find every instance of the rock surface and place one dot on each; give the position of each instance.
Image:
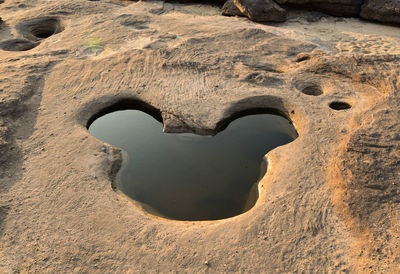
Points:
(230, 9)
(261, 10)
(386, 11)
(329, 201)
(333, 7)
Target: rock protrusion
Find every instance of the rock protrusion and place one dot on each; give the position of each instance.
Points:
(333, 7)
(261, 10)
(385, 11)
(230, 9)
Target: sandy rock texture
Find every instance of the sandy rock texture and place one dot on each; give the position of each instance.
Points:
(387, 11)
(384, 11)
(329, 201)
(229, 9)
(261, 10)
(333, 7)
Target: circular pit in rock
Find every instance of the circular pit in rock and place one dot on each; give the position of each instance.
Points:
(312, 90)
(339, 105)
(40, 28)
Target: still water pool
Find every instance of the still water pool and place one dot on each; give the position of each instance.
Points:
(188, 176)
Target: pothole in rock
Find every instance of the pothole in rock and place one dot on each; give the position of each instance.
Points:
(17, 45)
(40, 28)
(338, 105)
(187, 176)
(312, 90)
(307, 88)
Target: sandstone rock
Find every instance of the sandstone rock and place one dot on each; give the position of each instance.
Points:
(386, 11)
(261, 10)
(230, 9)
(217, 2)
(333, 7)
(328, 203)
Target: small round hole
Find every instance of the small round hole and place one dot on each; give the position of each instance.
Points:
(312, 90)
(45, 28)
(339, 105)
(40, 28)
(42, 32)
(309, 87)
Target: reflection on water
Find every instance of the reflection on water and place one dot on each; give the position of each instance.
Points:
(192, 177)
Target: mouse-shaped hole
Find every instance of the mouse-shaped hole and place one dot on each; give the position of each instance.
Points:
(188, 176)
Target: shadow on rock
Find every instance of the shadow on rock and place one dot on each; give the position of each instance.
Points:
(3, 215)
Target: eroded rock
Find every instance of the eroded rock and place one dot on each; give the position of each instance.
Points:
(230, 9)
(386, 11)
(333, 7)
(58, 180)
(261, 10)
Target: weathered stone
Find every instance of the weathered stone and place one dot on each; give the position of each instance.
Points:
(333, 7)
(261, 10)
(386, 11)
(218, 2)
(230, 9)
(329, 201)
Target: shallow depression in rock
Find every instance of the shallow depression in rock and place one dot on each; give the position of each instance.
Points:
(188, 176)
(17, 45)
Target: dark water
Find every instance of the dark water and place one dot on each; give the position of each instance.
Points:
(192, 177)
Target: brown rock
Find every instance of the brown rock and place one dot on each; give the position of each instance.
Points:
(386, 11)
(230, 9)
(333, 7)
(261, 10)
(329, 201)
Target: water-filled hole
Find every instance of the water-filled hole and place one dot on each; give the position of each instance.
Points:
(17, 45)
(338, 105)
(188, 176)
